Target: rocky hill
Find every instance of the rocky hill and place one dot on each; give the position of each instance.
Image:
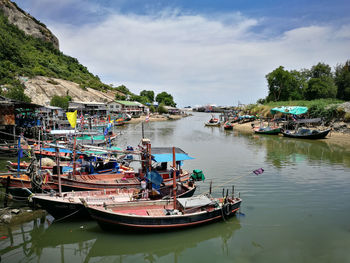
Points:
(28, 24)
(42, 89)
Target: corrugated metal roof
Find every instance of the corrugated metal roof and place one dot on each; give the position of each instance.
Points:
(129, 103)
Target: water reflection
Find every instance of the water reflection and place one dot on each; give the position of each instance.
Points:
(281, 151)
(158, 245)
(41, 240)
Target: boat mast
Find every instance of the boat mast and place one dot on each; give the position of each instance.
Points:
(58, 170)
(174, 177)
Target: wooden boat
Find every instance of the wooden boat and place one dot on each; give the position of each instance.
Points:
(70, 205)
(306, 134)
(165, 214)
(21, 186)
(228, 125)
(213, 122)
(267, 130)
(161, 214)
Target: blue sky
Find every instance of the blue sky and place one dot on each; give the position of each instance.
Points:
(200, 51)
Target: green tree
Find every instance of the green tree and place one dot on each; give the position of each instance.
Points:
(123, 89)
(166, 99)
(321, 70)
(17, 93)
(282, 84)
(149, 94)
(342, 80)
(60, 101)
(152, 109)
(320, 88)
(321, 84)
(162, 109)
(119, 97)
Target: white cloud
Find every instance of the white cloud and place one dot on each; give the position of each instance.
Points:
(199, 60)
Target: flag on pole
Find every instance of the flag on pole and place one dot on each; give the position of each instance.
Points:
(258, 171)
(72, 118)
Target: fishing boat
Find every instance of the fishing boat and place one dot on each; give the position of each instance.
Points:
(228, 125)
(165, 214)
(68, 204)
(213, 122)
(22, 185)
(267, 130)
(161, 214)
(303, 133)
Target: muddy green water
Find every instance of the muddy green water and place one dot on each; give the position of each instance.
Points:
(298, 210)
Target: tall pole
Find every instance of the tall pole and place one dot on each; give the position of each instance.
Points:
(58, 170)
(174, 177)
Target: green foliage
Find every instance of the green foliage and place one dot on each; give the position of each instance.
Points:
(283, 85)
(326, 108)
(148, 94)
(60, 101)
(119, 97)
(316, 83)
(123, 90)
(22, 55)
(342, 80)
(16, 92)
(162, 109)
(141, 99)
(166, 99)
(320, 88)
(152, 109)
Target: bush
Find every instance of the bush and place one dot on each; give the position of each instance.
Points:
(162, 109)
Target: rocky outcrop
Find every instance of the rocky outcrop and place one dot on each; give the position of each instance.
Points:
(28, 24)
(41, 89)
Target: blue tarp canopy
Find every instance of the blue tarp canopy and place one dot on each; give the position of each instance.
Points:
(295, 110)
(54, 150)
(163, 158)
(61, 150)
(165, 154)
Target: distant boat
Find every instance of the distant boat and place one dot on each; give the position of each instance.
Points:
(306, 134)
(213, 122)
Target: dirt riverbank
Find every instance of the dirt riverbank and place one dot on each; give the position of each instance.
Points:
(337, 138)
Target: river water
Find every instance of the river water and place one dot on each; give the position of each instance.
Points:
(298, 210)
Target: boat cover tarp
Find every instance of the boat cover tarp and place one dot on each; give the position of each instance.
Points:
(162, 158)
(165, 154)
(295, 110)
(154, 177)
(54, 150)
(195, 201)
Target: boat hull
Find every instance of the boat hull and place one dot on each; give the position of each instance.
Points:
(268, 132)
(116, 221)
(319, 135)
(61, 208)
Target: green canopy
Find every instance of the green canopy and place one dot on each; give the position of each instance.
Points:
(295, 110)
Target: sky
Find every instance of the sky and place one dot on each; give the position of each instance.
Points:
(200, 51)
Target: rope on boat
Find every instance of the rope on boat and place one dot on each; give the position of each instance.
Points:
(60, 219)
